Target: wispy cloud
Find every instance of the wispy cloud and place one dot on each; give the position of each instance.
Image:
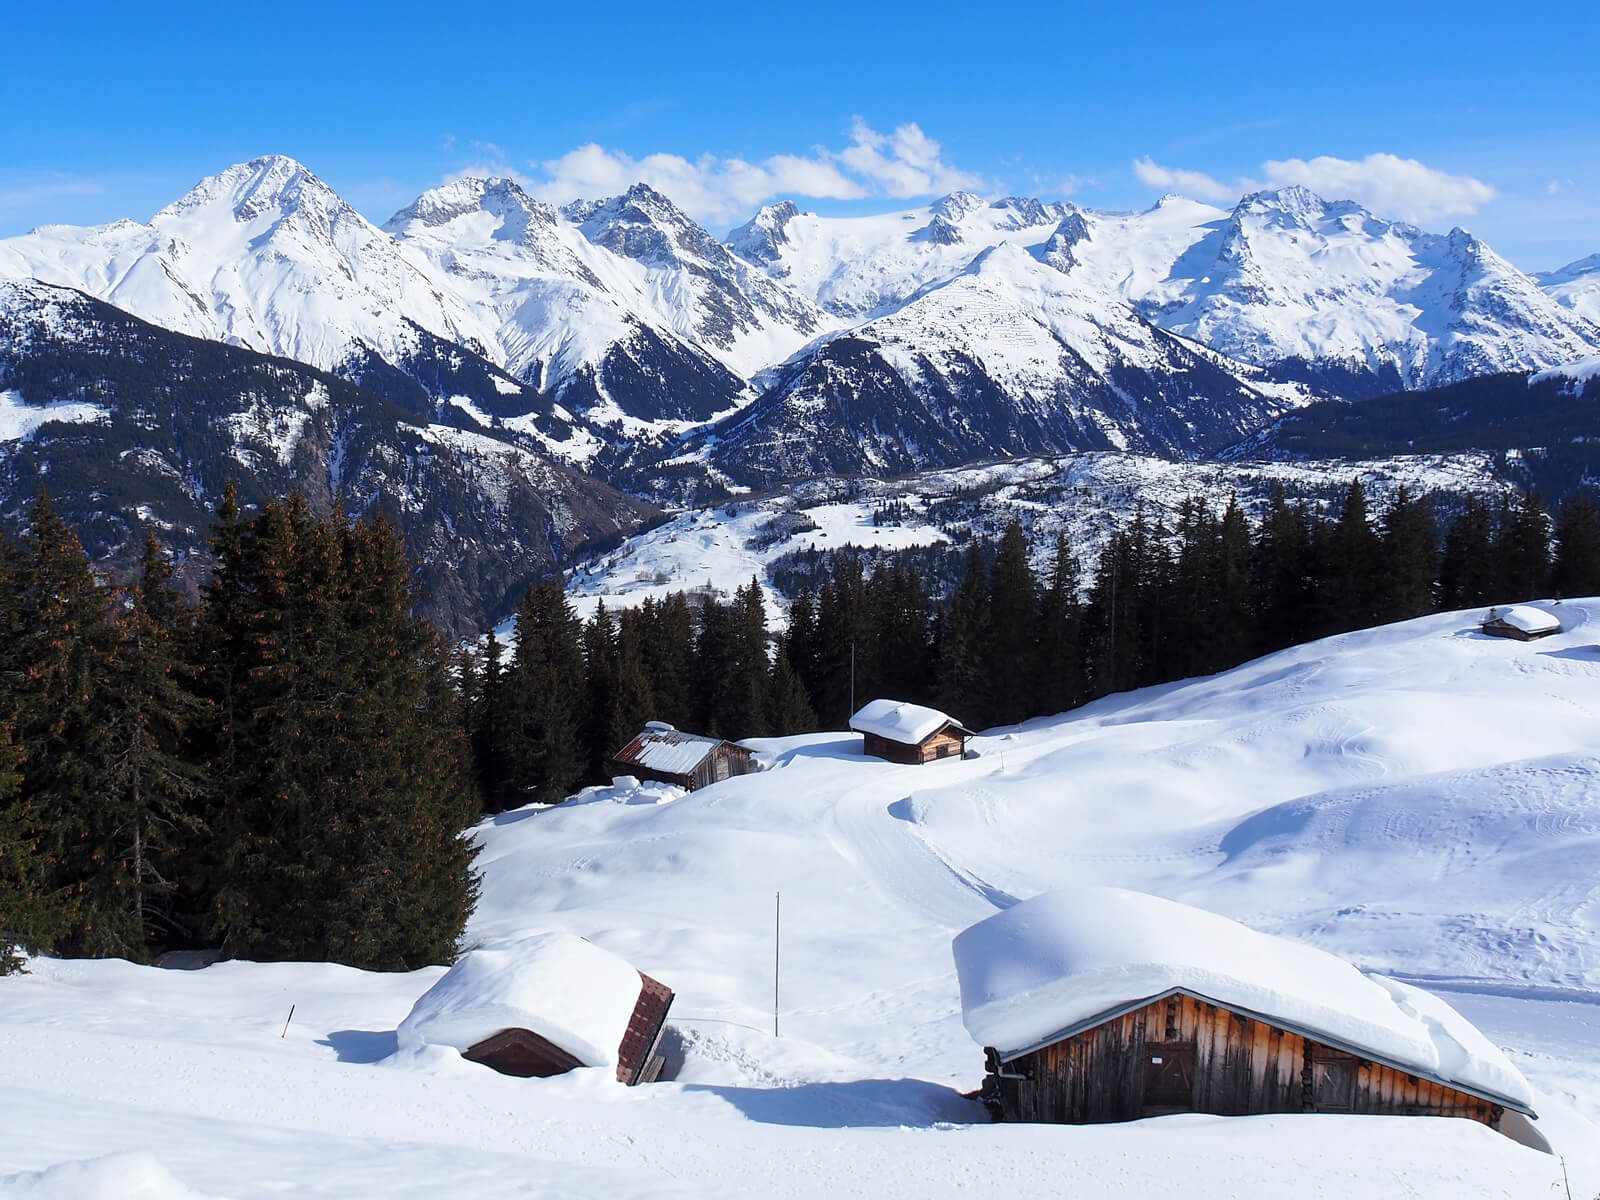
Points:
(1176, 179)
(901, 164)
(1385, 183)
(29, 193)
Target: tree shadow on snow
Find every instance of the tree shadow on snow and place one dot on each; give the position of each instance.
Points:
(361, 1045)
(1579, 653)
(858, 1104)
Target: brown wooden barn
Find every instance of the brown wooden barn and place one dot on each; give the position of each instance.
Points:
(688, 760)
(1097, 1004)
(1523, 622)
(909, 733)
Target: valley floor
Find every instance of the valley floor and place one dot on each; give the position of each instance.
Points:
(1420, 798)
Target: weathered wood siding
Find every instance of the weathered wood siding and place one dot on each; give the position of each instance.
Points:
(1235, 1065)
(947, 743)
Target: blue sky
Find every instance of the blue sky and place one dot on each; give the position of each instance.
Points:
(1484, 115)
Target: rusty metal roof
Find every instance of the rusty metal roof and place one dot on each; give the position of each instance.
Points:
(669, 751)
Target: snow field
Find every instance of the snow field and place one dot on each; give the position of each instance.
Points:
(1420, 799)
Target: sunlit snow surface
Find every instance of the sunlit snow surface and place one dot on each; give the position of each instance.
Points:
(1421, 800)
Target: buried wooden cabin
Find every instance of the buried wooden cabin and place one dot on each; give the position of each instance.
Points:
(909, 733)
(1523, 622)
(687, 760)
(544, 1005)
(1097, 1005)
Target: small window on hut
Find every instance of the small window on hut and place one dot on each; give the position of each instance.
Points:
(1333, 1083)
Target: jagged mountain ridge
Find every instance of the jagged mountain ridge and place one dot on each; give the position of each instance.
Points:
(604, 331)
(1010, 357)
(135, 427)
(1284, 280)
(1576, 286)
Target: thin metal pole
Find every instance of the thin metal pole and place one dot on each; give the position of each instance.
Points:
(777, 942)
(852, 678)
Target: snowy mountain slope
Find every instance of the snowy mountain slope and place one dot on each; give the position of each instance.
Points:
(1419, 799)
(581, 294)
(1283, 279)
(1576, 286)
(1008, 357)
(173, 418)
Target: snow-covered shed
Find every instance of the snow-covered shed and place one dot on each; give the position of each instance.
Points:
(1098, 1004)
(543, 1005)
(1521, 621)
(909, 733)
(688, 760)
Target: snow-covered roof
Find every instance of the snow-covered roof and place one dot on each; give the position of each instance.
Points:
(1067, 960)
(562, 987)
(899, 721)
(668, 750)
(1527, 618)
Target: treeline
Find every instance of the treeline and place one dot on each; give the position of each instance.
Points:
(1007, 643)
(279, 773)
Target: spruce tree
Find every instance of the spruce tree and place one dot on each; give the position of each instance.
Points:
(1467, 565)
(1410, 558)
(1058, 681)
(788, 709)
(541, 703)
(1010, 646)
(1347, 554)
(1281, 576)
(1576, 569)
(1522, 549)
(962, 672)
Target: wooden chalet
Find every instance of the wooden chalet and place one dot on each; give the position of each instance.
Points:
(1523, 622)
(1097, 1005)
(687, 760)
(527, 1053)
(909, 733)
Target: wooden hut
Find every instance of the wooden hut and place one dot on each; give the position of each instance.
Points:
(687, 760)
(543, 1005)
(1523, 622)
(526, 1053)
(1097, 1004)
(909, 733)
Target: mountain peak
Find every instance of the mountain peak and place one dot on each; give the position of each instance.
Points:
(273, 181)
(957, 205)
(1295, 199)
(493, 194)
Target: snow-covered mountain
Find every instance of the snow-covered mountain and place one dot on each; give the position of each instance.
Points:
(1576, 286)
(1285, 279)
(1009, 356)
(135, 427)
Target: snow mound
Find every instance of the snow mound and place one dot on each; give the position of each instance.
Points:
(1580, 371)
(130, 1176)
(1527, 618)
(900, 722)
(1061, 960)
(560, 986)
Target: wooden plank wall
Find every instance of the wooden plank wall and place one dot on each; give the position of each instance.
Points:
(1242, 1066)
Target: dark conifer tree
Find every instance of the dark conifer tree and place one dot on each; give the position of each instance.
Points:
(602, 665)
(1347, 554)
(1010, 648)
(1410, 558)
(843, 645)
(1058, 682)
(632, 702)
(542, 702)
(1522, 549)
(962, 669)
(1576, 569)
(788, 708)
(1281, 576)
(1467, 567)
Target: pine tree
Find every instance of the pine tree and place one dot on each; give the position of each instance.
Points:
(1058, 682)
(601, 668)
(788, 709)
(541, 703)
(154, 783)
(1467, 566)
(961, 670)
(1011, 646)
(59, 658)
(1410, 558)
(1576, 569)
(1346, 555)
(1281, 576)
(1522, 549)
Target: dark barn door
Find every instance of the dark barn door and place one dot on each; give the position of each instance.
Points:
(1168, 1077)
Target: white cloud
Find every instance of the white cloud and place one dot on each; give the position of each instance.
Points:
(1388, 184)
(1174, 179)
(901, 164)
(1384, 183)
